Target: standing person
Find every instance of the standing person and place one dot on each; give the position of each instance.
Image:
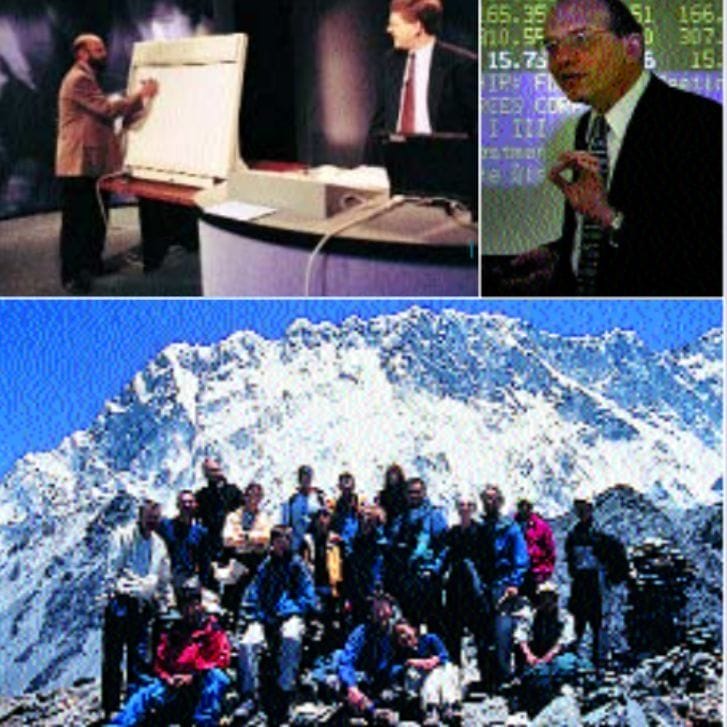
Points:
(541, 547)
(344, 519)
(392, 497)
(189, 668)
(504, 564)
(413, 570)
(427, 85)
(327, 563)
(187, 542)
(364, 573)
(87, 149)
(215, 501)
(635, 224)
(298, 511)
(137, 579)
(465, 606)
(587, 549)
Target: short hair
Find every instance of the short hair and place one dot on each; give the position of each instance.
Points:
(254, 486)
(427, 12)
(190, 590)
(496, 489)
(185, 492)
(148, 502)
(80, 41)
(305, 469)
(347, 476)
(623, 22)
(416, 481)
(279, 531)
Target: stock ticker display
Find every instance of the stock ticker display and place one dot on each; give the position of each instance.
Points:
(525, 115)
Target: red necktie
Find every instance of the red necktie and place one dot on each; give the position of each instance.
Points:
(406, 121)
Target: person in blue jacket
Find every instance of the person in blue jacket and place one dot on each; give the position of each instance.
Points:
(344, 521)
(300, 508)
(426, 672)
(502, 567)
(365, 664)
(188, 543)
(277, 601)
(415, 557)
(363, 573)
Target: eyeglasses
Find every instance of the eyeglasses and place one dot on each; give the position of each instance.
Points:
(578, 40)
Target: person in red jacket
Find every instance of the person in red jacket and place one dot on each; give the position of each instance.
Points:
(189, 665)
(541, 547)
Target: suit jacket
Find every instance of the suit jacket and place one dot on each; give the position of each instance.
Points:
(87, 143)
(452, 97)
(668, 184)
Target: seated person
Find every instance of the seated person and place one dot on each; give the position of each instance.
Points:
(424, 663)
(277, 601)
(543, 636)
(364, 666)
(189, 665)
(245, 537)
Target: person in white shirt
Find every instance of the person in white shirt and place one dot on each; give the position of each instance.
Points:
(138, 579)
(427, 86)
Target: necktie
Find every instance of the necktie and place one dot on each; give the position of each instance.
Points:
(406, 119)
(593, 235)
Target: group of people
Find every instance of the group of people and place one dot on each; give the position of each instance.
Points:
(390, 586)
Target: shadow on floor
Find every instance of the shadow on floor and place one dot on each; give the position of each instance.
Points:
(29, 262)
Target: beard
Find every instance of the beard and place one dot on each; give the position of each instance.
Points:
(98, 64)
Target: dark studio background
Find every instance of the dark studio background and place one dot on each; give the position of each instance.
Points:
(309, 88)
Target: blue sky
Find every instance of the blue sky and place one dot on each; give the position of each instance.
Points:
(61, 359)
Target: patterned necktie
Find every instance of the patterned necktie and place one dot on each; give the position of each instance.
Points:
(406, 120)
(593, 236)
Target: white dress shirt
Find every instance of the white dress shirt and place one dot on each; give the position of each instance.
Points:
(618, 118)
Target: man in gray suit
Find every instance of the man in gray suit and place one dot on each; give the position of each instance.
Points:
(87, 149)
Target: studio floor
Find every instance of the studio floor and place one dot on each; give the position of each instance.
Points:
(29, 261)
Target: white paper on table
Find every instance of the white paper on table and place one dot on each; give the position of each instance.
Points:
(236, 210)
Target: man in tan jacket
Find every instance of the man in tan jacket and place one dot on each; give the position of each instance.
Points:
(87, 149)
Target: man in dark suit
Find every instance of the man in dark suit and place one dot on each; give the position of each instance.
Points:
(427, 85)
(643, 199)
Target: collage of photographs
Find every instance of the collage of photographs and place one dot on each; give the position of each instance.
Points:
(364, 363)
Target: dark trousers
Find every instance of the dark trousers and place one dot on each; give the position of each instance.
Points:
(586, 605)
(83, 229)
(467, 606)
(127, 626)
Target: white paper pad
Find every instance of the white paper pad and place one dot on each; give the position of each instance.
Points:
(236, 210)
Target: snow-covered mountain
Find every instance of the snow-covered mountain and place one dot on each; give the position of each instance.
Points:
(458, 399)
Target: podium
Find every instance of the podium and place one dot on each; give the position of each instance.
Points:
(167, 215)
